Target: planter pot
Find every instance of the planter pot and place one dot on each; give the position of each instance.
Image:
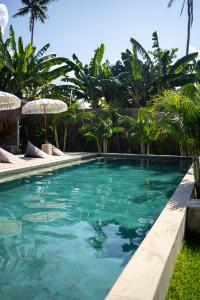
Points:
(47, 148)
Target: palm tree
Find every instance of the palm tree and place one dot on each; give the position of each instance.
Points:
(190, 19)
(70, 117)
(181, 115)
(145, 130)
(101, 125)
(37, 10)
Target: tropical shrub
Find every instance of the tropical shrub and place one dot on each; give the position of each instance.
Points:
(101, 125)
(145, 130)
(181, 119)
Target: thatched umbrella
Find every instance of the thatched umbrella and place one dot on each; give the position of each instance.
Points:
(9, 102)
(44, 107)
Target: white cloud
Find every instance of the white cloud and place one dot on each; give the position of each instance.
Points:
(193, 49)
(4, 17)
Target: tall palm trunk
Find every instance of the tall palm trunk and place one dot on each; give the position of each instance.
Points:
(129, 148)
(190, 19)
(105, 146)
(182, 149)
(117, 143)
(32, 28)
(189, 24)
(196, 170)
(142, 147)
(99, 146)
(148, 149)
(56, 136)
(65, 139)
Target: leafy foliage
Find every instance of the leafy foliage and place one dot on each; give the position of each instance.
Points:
(181, 119)
(29, 73)
(133, 81)
(145, 130)
(101, 126)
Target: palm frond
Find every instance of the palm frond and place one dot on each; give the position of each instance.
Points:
(142, 51)
(96, 61)
(42, 51)
(183, 61)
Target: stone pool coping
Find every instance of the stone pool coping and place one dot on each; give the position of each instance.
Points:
(148, 273)
(26, 166)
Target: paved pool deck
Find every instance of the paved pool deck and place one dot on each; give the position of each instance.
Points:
(28, 164)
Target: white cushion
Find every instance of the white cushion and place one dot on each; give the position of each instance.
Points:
(33, 151)
(56, 151)
(8, 157)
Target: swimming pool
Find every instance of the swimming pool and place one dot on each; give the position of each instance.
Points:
(68, 234)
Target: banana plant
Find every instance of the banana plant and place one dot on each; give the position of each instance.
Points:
(171, 73)
(94, 80)
(147, 74)
(26, 72)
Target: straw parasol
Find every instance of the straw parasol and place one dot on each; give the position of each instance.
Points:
(44, 107)
(7, 119)
(9, 101)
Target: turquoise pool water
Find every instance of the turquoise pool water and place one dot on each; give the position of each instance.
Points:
(68, 234)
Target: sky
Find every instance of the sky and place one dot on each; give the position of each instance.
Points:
(80, 26)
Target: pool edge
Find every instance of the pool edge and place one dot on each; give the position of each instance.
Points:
(148, 273)
(43, 166)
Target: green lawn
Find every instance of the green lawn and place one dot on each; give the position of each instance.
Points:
(185, 282)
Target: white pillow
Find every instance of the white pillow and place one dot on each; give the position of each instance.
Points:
(8, 157)
(56, 151)
(33, 151)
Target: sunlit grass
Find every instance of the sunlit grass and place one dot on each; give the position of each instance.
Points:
(185, 282)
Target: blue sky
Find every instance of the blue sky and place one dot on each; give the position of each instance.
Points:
(79, 26)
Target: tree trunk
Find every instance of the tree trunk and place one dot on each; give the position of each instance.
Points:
(196, 169)
(189, 153)
(190, 12)
(32, 29)
(56, 136)
(65, 139)
(181, 149)
(142, 146)
(99, 146)
(148, 149)
(117, 143)
(105, 146)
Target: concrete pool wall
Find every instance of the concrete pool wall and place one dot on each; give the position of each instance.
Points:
(148, 272)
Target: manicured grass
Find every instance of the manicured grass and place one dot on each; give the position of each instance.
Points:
(185, 282)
